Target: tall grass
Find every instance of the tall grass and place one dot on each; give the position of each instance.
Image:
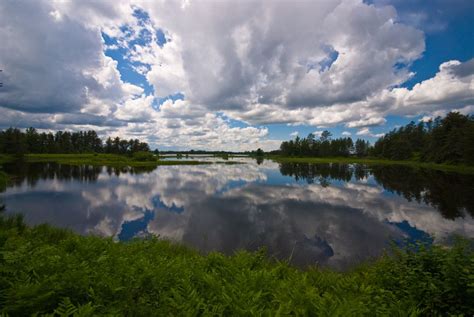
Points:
(45, 270)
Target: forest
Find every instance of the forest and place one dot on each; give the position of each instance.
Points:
(16, 142)
(442, 140)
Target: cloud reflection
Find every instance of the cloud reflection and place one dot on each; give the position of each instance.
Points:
(335, 222)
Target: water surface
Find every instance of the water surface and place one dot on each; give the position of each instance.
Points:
(327, 214)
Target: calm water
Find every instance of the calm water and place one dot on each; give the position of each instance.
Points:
(331, 214)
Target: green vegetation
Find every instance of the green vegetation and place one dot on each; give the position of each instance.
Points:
(44, 270)
(144, 157)
(139, 159)
(447, 140)
(443, 141)
(322, 147)
(224, 156)
(259, 152)
(105, 160)
(6, 158)
(464, 169)
(16, 142)
(4, 179)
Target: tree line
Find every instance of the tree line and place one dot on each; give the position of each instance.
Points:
(16, 141)
(442, 140)
(324, 146)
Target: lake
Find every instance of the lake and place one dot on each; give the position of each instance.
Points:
(332, 215)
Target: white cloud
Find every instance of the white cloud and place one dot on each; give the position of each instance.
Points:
(366, 122)
(318, 133)
(53, 64)
(366, 132)
(363, 131)
(294, 134)
(261, 72)
(346, 133)
(452, 88)
(252, 61)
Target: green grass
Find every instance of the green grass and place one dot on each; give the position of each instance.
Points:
(123, 160)
(102, 160)
(464, 169)
(5, 158)
(112, 160)
(45, 270)
(4, 179)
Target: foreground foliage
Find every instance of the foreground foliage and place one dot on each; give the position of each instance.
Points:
(53, 271)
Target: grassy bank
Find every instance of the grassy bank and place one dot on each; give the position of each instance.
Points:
(441, 167)
(3, 181)
(101, 160)
(46, 270)
(5, 158)
(112, 160)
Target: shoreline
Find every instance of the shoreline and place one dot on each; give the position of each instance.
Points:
(112, 160)
(462, 169)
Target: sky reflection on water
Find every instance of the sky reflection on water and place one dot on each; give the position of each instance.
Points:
(334, 215)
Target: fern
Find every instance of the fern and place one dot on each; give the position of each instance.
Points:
(44, 271)
(65, 308)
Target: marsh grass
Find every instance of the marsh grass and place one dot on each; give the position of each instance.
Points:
(45, 270)
(457, 168)
(5, 158)
(4, 179)
(112, 160)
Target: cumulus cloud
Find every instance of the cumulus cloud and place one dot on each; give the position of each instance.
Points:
(52, 63)
(309, 70)
(433, 18)
(338, 63)
(451, 88)
(366, 122)
(366, 132)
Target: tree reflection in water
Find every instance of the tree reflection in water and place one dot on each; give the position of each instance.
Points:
(345, 214)
(450, 193)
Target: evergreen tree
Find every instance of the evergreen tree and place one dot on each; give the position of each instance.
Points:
(14, 141)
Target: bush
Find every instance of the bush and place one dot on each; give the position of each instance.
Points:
(436, 279)
(143, 157)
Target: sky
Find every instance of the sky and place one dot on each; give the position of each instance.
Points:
(233, 75)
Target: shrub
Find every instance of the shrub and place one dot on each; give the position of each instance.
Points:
(44, 270)
(143, 157)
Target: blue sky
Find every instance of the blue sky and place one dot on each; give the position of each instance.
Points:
(448, 42)
(453, 41)
(235, 76)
